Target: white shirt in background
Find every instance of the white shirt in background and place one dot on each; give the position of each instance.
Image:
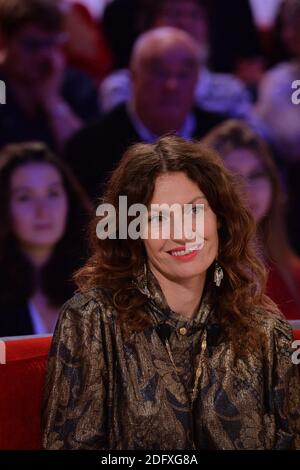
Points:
(95, 7)
(265, 12)
(39, 327)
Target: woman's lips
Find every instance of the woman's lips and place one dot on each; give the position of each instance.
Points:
(43, 227)
(187, 252)
(186, 257)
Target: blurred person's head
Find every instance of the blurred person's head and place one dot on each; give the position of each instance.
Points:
(249, 157)
(164, 66)
(31, 35)
(189, 15)
(38, 207)
(42, 210)
(291, 26)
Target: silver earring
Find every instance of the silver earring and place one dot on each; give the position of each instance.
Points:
(218, 274)
(145, 279)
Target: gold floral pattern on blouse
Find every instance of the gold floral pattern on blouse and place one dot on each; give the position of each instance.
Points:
(107, 391)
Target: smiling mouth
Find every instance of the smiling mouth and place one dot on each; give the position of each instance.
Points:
(183, 251)
(43, 227)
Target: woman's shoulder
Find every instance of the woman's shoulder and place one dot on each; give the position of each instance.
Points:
(271, 323)
(95, 301)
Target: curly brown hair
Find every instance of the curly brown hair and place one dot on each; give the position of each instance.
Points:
(114, 262)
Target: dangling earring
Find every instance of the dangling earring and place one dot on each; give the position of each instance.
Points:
(145, 279)
(218, 274)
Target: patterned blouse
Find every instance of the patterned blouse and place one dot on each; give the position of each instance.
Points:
(174, 385)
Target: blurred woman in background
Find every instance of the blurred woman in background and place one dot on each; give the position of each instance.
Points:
(248, 156)
(42, 211)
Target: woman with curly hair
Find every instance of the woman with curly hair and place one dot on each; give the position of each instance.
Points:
(170, 342)
(248, 156)
(43, 211)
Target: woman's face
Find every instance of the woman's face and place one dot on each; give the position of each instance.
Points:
(38, 205)
(246, 164)
(167, 256)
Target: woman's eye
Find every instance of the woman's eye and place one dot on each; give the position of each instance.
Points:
(23, 198)
(198, 208)
(54, 194)
(195, 210)
(157, 218)
(257, 175)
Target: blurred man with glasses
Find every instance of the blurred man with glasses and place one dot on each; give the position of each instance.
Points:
(45, 100)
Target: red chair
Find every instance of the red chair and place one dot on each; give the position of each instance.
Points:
(21, 391)
(296, 334)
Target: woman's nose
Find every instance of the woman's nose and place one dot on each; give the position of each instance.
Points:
(41, 207)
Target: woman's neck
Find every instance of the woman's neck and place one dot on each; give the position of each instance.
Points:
(183, 297)
(38, 257)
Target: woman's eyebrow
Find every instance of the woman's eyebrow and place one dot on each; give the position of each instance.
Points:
(54, 184)
(21, 188)
(155, 207)
(196, 199)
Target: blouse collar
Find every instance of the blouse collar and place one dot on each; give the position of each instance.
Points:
(147, 283)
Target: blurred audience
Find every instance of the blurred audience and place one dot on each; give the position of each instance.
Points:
(276, 108)
(214, 92)
(266, 18)
(43, 213)
(234, 37)
(95, 7)
(45, 100)
(235, 42)
(265, 13)
(87, 48)
(247, 155)
(164, 67)
(246, 38)
(121, 29)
